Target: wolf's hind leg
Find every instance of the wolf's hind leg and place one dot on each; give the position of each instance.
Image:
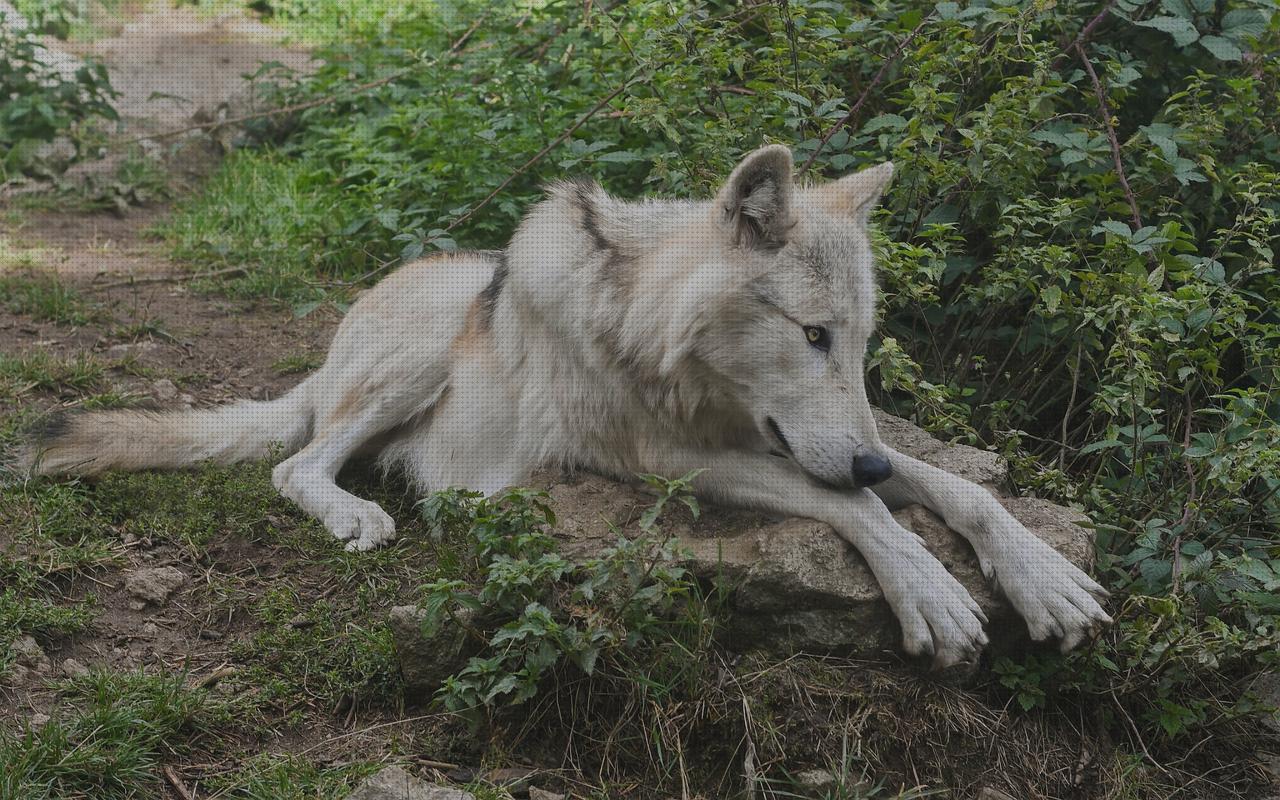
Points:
(308, 477)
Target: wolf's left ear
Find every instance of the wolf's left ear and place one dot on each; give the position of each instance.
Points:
(756, 200)
(857, 194)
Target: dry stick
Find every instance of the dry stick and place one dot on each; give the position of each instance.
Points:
(1191, 499)
(884, 69)
(1105, 114)
(178, 786)
(1085, 32)
(164, 278)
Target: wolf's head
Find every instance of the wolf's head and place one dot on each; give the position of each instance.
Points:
(802, 312)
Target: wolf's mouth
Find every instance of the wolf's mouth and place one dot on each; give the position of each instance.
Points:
(777, 433)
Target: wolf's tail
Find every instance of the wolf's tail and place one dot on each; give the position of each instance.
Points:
(92, 442)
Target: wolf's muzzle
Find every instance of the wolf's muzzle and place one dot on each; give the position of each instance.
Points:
(870, 469)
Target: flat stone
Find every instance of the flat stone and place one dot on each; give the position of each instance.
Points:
(394, 783)
(154, 584)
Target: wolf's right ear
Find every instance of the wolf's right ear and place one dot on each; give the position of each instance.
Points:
(756, 200)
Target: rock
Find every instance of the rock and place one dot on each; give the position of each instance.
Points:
(797, 586)
(259, 393)
(1266, 688)
(74, 669)
(150, 630)
(542, 794)
(515, 780)
(133, 350)
(425, 661)
(39, 720)
(154, 584)
(816, 782)
(164, 389)
(393, 783)
(28, 654)
(989, 793)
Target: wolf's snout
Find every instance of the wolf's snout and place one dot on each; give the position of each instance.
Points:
(870, 469)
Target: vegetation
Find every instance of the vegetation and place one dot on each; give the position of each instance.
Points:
(1077, 265)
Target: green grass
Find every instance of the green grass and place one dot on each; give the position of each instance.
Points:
(38, 370)
(263, 212)
(112, 738)
(298, 362)
(44, 297)
(288, 777)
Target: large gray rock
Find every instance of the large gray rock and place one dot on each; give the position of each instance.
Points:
(797, 586)
(393, 783)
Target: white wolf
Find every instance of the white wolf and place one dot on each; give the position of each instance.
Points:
(625, 337)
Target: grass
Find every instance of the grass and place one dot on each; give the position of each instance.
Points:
(298, 362)
(44, 297)
(263, 212)
(111, 738)
(39, 370)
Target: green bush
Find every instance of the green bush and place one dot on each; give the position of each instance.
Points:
(1103, 314)
(39, 103)
(535, 610)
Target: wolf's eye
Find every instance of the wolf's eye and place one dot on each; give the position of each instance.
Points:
(817, 336)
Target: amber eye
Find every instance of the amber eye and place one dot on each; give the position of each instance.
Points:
(817, 336)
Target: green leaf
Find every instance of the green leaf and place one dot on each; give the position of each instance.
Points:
(1222, 49)
(1181, 29)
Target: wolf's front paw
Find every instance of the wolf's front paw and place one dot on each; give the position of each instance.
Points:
(361, 524)
(1055, 598)
(937, 614)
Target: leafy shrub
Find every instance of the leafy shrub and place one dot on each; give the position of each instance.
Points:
(38, 103)
(534, 609)
(1077, 255)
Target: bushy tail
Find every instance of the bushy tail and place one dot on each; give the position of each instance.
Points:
(92, 442)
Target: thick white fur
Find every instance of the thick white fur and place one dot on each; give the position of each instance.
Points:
(659, 336)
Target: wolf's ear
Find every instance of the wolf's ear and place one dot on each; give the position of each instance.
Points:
(856, 195)
(756, 200)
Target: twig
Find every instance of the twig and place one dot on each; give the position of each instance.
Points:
(1105, 115)
(1075, 384)
(166, 278)
(179, 787)
(1191, 499)
(884, 69)
(1085, 33)
(216, 676)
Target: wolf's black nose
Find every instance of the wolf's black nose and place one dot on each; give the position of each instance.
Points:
(870, 469)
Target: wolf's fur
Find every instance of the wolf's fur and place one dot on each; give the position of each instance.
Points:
(625, 337)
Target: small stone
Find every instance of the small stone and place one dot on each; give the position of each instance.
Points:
(39, 720)
(816, 781)
(394, 783)
(154, 584)
(74, 669)
(18, 675)
(164, 389)
(258, 393)
(134, 349)
(989, 793)
(542, 794)
(1267, 689)
(137, 605)
(150, 630)
(187, 399)
(29, 654)
(514, 779)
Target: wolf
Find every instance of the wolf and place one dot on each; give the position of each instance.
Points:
(625, 337)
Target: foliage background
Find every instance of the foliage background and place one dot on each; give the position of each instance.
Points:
(1103, 315)
(1077, 255)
